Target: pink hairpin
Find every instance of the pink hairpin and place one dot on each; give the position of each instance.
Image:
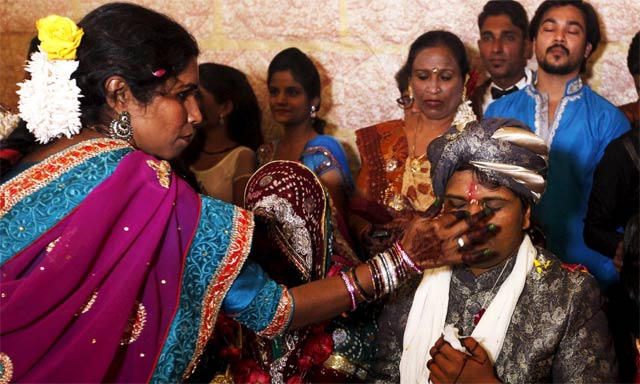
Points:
(159, 72)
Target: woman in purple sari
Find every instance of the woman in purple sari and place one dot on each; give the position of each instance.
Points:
(114, 269)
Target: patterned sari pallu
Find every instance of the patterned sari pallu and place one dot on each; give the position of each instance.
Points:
(294, 244)
(105, 255)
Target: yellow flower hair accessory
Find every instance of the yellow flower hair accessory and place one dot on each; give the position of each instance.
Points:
(59, 37)
(50, 99)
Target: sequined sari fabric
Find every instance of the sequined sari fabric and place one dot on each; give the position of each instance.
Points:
(113, 269)
(322, 154)
(294, 243)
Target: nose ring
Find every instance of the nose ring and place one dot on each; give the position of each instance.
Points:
(438, 89)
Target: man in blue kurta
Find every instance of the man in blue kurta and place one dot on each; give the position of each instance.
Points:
(575, 122)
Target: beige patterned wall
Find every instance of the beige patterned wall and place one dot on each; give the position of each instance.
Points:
(357, 44)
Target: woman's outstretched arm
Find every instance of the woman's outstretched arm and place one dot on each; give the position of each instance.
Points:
(428, 242)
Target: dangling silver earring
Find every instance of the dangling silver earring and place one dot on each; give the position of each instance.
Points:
(221, 120)
(120, 127)
(314, 112)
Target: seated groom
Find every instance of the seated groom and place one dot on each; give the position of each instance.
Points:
(523, 316)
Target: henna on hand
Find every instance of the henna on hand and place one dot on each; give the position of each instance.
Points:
(434, 242)
(433, 210)
(379, 237)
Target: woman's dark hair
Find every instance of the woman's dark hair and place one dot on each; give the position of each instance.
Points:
(402, 80)
(590, 18)
(304, 72)
(33, 46)
(131, 41)
(438, 38)
(633, 57)
(13, 147)
(225, 84)
(229, 84)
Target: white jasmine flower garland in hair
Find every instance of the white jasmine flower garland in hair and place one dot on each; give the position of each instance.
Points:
(50, 99)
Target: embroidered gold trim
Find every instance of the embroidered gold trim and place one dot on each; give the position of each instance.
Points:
(163, 171)
(6, 368)
(85, 308)
(225, 275)
(41, 174)
(281, 319)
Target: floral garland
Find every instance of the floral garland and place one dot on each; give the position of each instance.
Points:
(50, 100)
(316, 349)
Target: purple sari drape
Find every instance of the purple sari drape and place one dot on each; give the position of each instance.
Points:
(91, 299)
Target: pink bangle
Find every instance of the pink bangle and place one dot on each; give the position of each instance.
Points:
(407, 260)
(351, 289)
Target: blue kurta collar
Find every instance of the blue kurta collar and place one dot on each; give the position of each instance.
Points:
(572, 87)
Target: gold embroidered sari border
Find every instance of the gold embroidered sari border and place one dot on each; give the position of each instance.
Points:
(43, 173)
(226, 273)
(282, 317)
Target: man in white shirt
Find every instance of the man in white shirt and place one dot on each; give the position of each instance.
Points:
(504, 49)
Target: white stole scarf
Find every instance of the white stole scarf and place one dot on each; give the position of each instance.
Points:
(425, 323)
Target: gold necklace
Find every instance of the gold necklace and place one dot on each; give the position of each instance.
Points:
(415, 163)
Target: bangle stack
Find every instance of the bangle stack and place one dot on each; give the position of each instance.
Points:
(388, 269)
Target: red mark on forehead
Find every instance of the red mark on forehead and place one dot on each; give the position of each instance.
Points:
(472, 192)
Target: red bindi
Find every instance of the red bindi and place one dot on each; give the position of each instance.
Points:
(472, 192)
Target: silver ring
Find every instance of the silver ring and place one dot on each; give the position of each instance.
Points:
(460, 242)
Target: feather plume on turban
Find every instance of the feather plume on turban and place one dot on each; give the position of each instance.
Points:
(504, 149)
